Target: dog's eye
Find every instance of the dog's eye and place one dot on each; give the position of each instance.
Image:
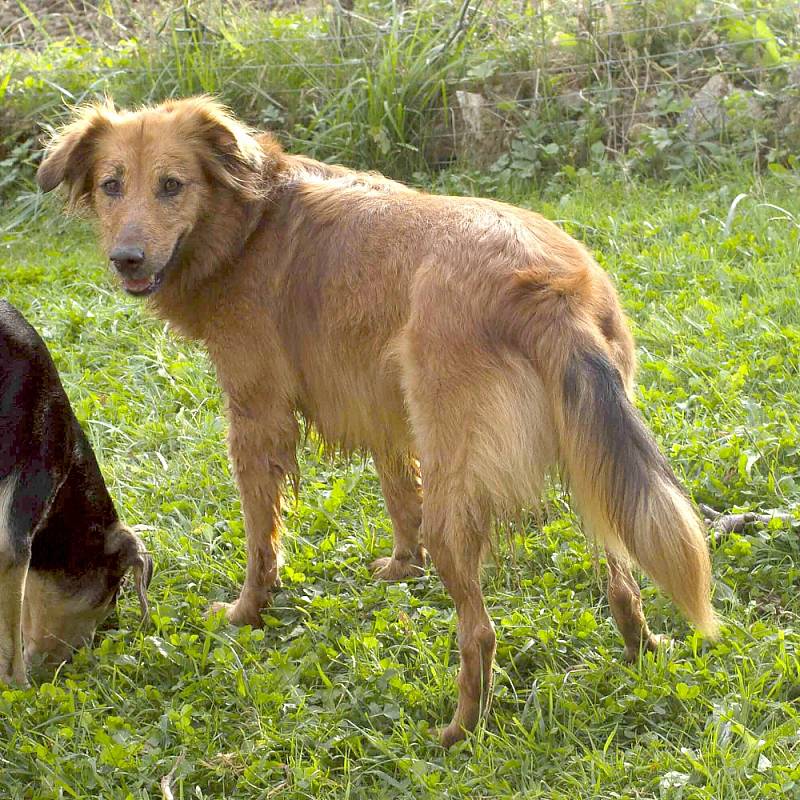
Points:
(172, 186)
(112, 187)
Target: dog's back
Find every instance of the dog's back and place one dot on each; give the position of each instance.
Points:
(37, 427)
(44, 448)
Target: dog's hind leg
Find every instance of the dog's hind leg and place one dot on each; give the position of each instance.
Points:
(13, 571)
(625, 600)
(402, 490)
(456, 529)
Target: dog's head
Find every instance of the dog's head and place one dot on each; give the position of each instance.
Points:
(61, 610)
(164, 182)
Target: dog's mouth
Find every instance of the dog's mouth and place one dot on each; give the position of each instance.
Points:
(142, 287)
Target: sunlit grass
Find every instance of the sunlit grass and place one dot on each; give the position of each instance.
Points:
(338, 695)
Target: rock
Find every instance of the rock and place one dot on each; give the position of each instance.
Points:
(474, 135)
(787, 120)
(707, 108)
(481, 134)
(719, 106)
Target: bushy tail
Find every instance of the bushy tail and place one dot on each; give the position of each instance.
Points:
(625, 490)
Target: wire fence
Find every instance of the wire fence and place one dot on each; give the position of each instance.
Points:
(566, 75)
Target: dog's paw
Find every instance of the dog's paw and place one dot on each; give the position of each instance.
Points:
(398, 569)
(15, 680)
(653, 643)
(451, 735)
(237, 614)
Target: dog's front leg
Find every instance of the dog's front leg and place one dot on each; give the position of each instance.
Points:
(262, 447)
(12, 590)
(24, 501)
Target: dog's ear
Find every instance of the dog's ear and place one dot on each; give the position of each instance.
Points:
(133, 555)
(68, 157)
(235, 156)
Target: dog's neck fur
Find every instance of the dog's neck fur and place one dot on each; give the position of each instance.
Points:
(206, 272)
(207, 277)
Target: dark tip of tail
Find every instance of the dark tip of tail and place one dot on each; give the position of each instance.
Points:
(597, 405)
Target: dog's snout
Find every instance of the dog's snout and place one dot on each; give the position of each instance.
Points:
(127, 259)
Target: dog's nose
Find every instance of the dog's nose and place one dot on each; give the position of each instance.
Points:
(127, 259)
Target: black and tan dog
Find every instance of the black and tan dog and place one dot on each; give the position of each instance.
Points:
(63, 550)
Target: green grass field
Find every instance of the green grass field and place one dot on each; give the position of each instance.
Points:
(339, 694)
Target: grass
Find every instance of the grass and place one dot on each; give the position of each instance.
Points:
(338, 695)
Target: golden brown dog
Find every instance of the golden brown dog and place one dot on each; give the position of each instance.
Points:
(473, 336)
